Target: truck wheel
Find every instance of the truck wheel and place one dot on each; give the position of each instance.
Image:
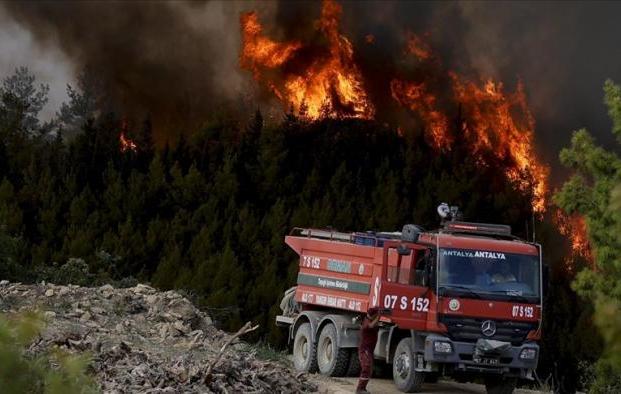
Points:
(500, 385)
(353, 368)
(304, 350)
(403, 368)
(331, 359)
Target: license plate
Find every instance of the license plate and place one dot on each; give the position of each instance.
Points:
(485, 360)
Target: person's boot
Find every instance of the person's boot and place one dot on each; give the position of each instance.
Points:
(362, 387)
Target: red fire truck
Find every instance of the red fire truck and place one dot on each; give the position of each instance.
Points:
(462, 301)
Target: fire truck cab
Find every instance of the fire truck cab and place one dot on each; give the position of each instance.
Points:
(463, 301)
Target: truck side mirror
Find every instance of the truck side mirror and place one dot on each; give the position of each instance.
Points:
(404, 250)
(410, 233)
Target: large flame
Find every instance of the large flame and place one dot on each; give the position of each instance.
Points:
(329, 85)
(575, 229)
(258, 50)
(501, 123)
(492, 120)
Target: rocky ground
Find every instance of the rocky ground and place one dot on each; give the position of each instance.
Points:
(145, 341)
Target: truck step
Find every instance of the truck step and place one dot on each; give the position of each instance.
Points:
(284, 321)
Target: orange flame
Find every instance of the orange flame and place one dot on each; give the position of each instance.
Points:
(417, 98)
(126, 144)
(328, 86)
(418, 47)
(574, 227)
(494, 121)
(259, 50)
(331, 85)
(502, 124)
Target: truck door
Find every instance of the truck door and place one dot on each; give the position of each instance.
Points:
(402, 284)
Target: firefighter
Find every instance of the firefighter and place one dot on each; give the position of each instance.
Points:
(368, 339)
(505, 275)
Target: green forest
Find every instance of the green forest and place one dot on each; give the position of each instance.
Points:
(207, 212)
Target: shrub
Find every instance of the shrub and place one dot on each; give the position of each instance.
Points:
(55, 372)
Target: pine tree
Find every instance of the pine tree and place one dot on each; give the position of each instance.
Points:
(594, 192)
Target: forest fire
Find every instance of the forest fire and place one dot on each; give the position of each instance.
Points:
(126, 144)
(416, 98)
(491, 120)
(502, 124)
(575, 229)
(329, 85)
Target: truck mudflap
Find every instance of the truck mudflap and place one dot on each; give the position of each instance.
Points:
(488, 358)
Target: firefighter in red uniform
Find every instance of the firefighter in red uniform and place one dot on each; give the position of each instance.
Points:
(368, 339)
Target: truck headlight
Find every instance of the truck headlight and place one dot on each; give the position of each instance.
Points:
(442, 347)
(528, 354)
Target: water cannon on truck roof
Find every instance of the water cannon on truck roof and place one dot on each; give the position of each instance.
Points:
(463, 301)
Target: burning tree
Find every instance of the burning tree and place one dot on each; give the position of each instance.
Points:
(594, 192)
(328, 83)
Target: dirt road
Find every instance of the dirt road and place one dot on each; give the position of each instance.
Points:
(385, 386)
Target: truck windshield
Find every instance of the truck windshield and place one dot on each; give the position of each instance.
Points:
(488, 274)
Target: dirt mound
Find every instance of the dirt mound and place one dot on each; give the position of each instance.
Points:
(143, 340)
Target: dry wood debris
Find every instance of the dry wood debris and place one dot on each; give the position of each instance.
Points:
(145, 341)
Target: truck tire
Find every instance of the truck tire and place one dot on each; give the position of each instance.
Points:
(403, 368)
(304, 350)
(500, 385)
(331, 359)
(353, 368)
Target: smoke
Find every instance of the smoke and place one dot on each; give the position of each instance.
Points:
(49, 64)
(561, 52)
(178, 62)
(172, 61)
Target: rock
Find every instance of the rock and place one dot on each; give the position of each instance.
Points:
(164, 329)
(99, 311)
(63, 291)
(86, 316)
(151, 299)
(181, 308)
(49, 292)
(49, 315)
(179, 326)
(142, 289)
(107, 291)
(4, 282)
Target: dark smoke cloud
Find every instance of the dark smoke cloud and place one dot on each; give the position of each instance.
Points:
(562, 52)
(172, 61)
(178, 60)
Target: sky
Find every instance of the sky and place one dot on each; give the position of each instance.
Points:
(562, 51)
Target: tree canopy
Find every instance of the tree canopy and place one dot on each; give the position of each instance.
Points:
(594, 191)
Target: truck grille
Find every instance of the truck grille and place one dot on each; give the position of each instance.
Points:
(468, 329)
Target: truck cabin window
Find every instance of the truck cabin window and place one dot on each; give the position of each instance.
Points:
(412, 269)
(489, 274)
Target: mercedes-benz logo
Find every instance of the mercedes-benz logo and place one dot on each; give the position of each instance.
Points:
(488, 328)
